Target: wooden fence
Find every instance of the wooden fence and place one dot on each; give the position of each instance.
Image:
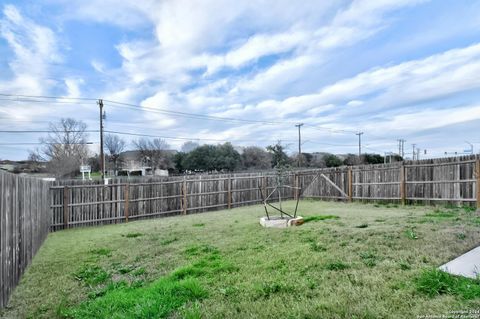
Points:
(445, 181)
(30, 207)
(75, 203)
(24, 224)
(450, 180)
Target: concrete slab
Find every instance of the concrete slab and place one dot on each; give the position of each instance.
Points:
(467, 265)
(278, 222)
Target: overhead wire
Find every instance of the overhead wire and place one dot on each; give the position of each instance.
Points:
(163, 111)
(82, 101)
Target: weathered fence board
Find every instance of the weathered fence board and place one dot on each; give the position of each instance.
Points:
(24, 224)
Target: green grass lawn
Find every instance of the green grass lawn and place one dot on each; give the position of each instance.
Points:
(347, 261)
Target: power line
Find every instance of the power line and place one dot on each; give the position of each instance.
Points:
(47, 131)
(332, 130)
(329, 144)
(116, 132)
(48, 97)
(41, 143)
(166, 137)
(161, 111)
(190, 115)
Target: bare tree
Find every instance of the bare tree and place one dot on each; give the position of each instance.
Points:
(65, 148)
(154, 152)
(114, 145)
(189, 146)
(256, 158)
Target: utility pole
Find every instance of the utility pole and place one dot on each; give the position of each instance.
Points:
(418, 154)
(102, 155)
(401, 145)
(471, 148)
(299, 125)
(413, 148)
(359, 144)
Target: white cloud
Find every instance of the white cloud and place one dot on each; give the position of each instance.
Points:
(355, 103)
(426, 119)
(34, 47)
(435, 76)
(73, 86)
(359, 21)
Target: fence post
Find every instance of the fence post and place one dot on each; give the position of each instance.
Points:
(403, 185)
(126, 195)
(66, 199)
(477, 169)
(229, 193)
(184, 192)
(264, 186)
(297, 184)
(350, 184)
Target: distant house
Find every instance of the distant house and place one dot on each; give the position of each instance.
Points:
(25, 167)
(131, 163)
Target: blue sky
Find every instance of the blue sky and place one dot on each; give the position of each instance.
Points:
(391, 69)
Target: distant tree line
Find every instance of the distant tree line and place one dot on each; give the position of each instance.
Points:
(65, 149)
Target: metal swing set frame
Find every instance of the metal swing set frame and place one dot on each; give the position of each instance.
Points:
(300, 192)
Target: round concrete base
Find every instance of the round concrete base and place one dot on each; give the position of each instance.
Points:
(278, 222)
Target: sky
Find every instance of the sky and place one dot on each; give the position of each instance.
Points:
(249, 70)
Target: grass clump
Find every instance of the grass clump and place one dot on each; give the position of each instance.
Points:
(168, 241)
(317, 218)
(155, 300)
(266, 290)
(411, 234)
(126, 269)
(469, 209)
(461, 236)
(139, 271)
(404, 265)
(101, 252)
(133, 235)
(207, 266)
(200, 249)
(434, 282)
(337, 265)
(199, 225)
(369, 258)
(364, 225)
(92, 275)
(317, 247)
(441, 214)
